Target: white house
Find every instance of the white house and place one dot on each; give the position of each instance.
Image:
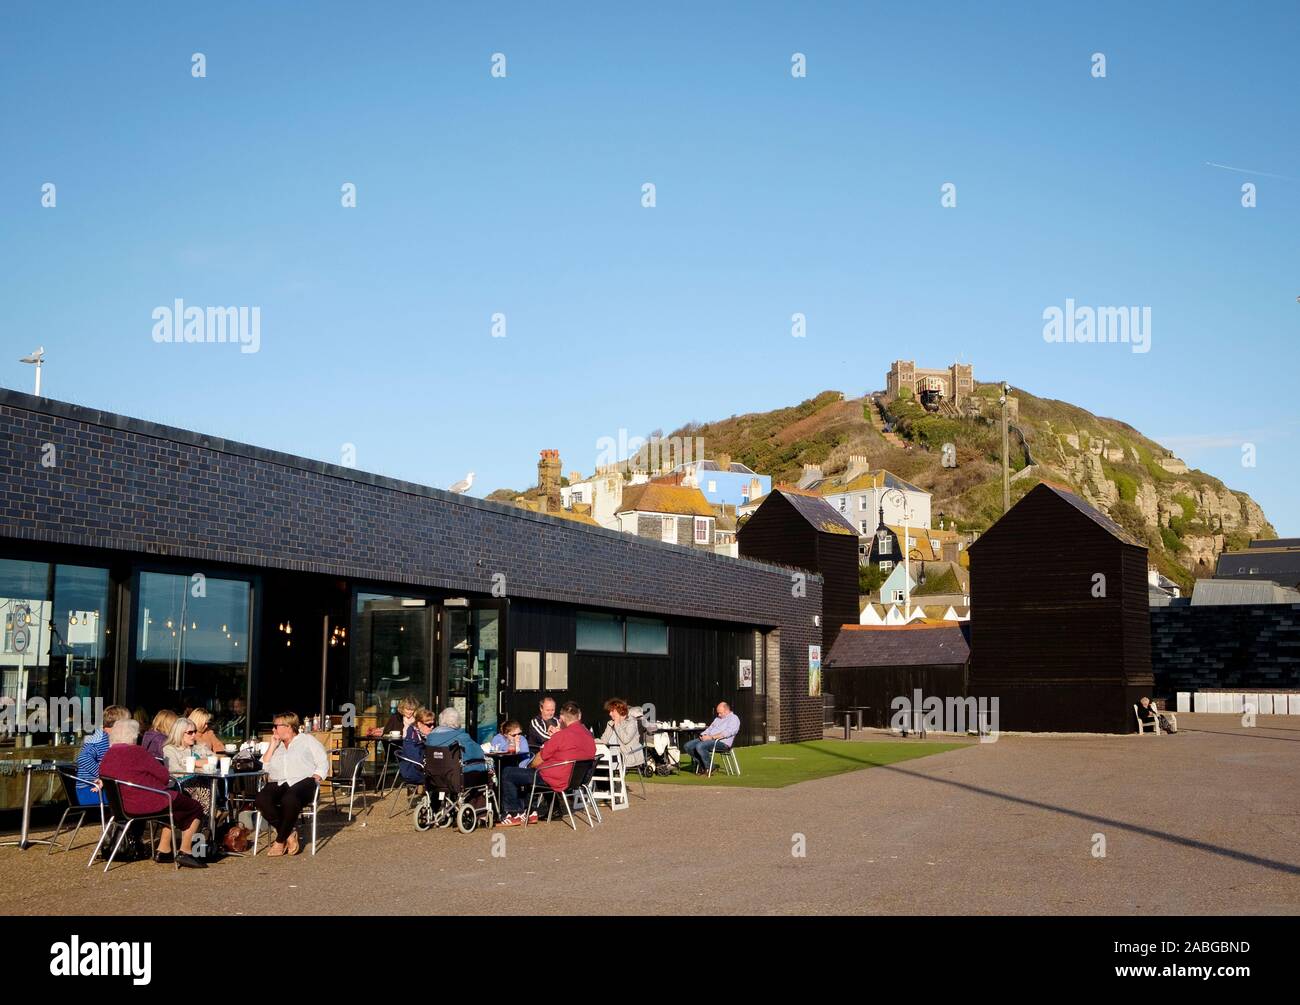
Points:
(859, 493)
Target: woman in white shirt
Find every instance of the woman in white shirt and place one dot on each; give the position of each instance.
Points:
(295, 764)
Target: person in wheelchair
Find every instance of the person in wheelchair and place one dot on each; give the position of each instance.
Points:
(457, 778)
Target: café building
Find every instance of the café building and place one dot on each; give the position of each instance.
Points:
(154, 567)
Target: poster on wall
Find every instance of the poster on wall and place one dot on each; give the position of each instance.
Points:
(814, 671)
(746, 673)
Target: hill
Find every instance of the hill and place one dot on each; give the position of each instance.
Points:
(1185, 516)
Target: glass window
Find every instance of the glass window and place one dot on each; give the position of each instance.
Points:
(55, 668)
(886, 543)
(600, 632)
(670, 529)
(191, 644)
(392, 651)
(701, 530)
(648, 636)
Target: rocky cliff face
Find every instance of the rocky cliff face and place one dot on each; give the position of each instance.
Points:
(1186, 517)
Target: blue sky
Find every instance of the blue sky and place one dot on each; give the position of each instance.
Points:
(775, 195)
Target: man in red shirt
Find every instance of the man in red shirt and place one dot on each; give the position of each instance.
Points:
(572, 742)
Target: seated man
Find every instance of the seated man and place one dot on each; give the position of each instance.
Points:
(572, 742)
(92, 754)
(448, 733)
(721, 733)
(126, 761)
(295, 764)
(544, 725)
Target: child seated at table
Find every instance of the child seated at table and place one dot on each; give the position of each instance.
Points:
(511, 739)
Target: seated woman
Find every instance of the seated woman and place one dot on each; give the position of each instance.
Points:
(1145, 710)
(206, 740)
(413, 747)
(180, 745)
(128, 762)
(402, 720)
(156, 737)
(449, 732)
(624, 732)
(511, 739)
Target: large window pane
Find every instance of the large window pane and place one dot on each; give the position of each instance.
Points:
(55, 666)
(191, 645)
(600, 632)
(391, 654)
(647, 635)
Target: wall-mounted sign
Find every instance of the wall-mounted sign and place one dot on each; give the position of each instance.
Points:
(814, 671)
(746, 673)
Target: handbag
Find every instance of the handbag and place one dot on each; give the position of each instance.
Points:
(236, 838)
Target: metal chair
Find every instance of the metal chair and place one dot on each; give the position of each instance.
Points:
(346, 774)
(307, 812)
(579, 783)
(70, 781)
(726, 756)
(406, 787)
(118, 814)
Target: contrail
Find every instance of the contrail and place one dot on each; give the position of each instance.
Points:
(1265, 174)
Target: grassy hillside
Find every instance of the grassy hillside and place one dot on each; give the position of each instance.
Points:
(1184, 518)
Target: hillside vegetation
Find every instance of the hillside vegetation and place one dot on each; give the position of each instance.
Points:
(1185, 518)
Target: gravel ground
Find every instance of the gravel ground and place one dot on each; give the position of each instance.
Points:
(1202, 822)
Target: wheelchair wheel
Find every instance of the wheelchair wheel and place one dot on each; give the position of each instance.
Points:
(466, 819)
(423, 815)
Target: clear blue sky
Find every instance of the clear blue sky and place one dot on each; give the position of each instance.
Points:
(775, 195)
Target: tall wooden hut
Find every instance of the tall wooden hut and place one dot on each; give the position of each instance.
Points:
(1060, 630)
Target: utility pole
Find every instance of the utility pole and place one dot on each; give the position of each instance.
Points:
(1006, 450)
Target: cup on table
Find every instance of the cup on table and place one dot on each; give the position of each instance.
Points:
(190, 761)
(225, 765)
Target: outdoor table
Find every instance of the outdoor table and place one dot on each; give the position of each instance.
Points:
(214, 776)
(503, 759)
(28, 766)
(862, 711)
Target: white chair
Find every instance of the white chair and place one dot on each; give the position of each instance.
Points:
(308, 812)
(609, 781)
(726, 756)
(1153, 725)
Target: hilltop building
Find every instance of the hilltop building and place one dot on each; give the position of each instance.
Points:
(954, 384)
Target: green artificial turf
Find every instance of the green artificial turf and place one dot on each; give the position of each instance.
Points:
(775, 765)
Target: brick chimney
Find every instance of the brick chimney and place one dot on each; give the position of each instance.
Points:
(811, 473)
(548, 479)
(858, 466)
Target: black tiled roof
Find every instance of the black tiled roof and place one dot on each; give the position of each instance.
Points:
(938, 645)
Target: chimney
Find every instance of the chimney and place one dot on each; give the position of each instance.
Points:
(548, 479)
(811, 473)
(858, 466)
(723, 462)
(575, 477)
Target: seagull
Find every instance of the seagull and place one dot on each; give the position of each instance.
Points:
(37, 357)
(463, 486)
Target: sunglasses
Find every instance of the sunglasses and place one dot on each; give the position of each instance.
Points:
(191, 732)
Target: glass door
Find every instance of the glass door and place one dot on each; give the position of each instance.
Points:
(471, 661)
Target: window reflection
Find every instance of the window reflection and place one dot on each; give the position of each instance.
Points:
(191, 645)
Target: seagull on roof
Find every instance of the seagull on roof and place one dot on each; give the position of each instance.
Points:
(463, 486)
